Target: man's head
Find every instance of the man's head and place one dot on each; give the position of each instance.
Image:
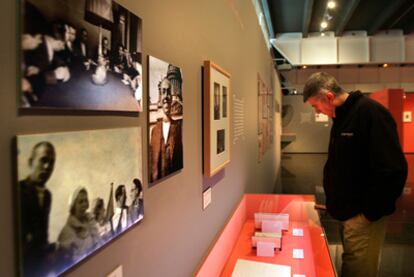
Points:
(166, 97)
(105, 42)
(41, 162)
(322, 91)
(83, 35)
(120, 195)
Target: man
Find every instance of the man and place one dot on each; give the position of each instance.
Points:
(81, 50)
(35, 203)
(365, 171)
(136, 209)
(120, 217)
(166, 150)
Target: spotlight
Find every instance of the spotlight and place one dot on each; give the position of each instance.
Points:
(324, 24)
(385, 65)
(304, 67)
(331, 5)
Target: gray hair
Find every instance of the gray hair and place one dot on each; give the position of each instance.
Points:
(318, 81)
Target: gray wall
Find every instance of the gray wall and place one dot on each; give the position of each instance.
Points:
(176, 233)
(299, 118)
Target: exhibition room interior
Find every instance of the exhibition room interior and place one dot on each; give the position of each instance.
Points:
(156, 138)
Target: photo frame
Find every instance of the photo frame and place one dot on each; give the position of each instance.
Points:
(165, 120)
(83, 55)
(68, 207)
(216, 118)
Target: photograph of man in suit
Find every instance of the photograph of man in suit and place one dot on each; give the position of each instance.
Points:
(166, 149)
(35, 203)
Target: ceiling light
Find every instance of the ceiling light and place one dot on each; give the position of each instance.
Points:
(385, 65)
(331, 5)
(324, 24)
(304, 67)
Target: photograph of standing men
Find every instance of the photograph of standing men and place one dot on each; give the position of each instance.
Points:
(166, 119)
(80, 54)
(68, 210)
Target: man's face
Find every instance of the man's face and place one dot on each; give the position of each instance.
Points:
(81, 204)
(105, 43)
(42, 164)
(166, 96)
(134, 193)
(322, 104)
(84, 35)
(122, 198)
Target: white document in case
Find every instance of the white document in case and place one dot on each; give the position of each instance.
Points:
(245, 268)
(297, 232)
(298, 254)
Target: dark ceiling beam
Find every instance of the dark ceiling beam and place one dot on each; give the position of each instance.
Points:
(350, 8)
(404, 14)
(384, 16)
(307, 16)
(268, 19)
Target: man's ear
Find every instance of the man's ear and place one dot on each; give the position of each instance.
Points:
(330, 95)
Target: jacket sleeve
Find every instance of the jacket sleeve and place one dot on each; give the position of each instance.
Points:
(386, 164)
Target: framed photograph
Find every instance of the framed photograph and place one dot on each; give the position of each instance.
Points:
(216, 118)
(165, 119)
(76, 192)
(80, 55)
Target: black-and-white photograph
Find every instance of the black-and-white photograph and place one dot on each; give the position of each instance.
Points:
(220, 141)
(75, 199)
(165, 119)
(80, 55)
(216, 101)
(224, 101)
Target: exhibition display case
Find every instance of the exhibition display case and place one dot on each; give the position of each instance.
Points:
(305, 234)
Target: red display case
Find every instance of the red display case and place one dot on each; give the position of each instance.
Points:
(235, 242)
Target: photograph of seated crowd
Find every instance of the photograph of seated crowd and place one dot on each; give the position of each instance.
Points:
(89, 224)
(80, 54)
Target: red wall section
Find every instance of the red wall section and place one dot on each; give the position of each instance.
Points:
(409, 126)
(393, 99)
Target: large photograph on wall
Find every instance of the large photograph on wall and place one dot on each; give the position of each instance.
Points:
(264, 117)
(216, 118)
(165, 119)
(76, 192)
(80, 55)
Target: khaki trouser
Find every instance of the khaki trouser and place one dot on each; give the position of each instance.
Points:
(362, 241)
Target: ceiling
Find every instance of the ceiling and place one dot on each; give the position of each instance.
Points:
(305, 16)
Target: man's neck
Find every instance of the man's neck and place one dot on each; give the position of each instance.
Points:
(341, 99)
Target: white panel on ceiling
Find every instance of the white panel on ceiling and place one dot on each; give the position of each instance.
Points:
(407, 74)
(368, 75)
(389, 74)
(290, 49)
(356, 33)
(293, 35)
(409, 48)
(348, 75)
(303, 75)
(388, 47)
(319, 50)
(353, 49)
(319, 34)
